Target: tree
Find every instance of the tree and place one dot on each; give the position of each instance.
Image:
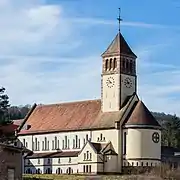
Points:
(171, 132)
(4, 105)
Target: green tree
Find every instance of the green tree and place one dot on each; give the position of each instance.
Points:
(171, 132)
(4, 105)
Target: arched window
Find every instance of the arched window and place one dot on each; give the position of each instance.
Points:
(147, 164)
(55, 140)
(131, 67)
(87, 168)
(127, 66)
(110, 64)
(69, 170)
(101, 137)
(114, 64)
(48, 171)
(132, 163)
(38, 171)
(137, 164)
(141, 163)
(106, 65)
(59, 171)
(45, 143)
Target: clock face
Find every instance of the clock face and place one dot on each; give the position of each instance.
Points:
(128, 82)
(110, 82)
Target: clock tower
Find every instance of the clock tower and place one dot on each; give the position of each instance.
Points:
(118, 74)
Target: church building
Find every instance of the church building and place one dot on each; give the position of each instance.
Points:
(95, 136)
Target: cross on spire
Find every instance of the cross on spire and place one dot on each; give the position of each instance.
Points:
(119, 19)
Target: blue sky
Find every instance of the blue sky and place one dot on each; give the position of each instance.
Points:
(50, 50)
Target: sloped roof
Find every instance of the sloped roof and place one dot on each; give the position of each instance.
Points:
(98, 146)
(117, 46)
(81, 115)
(140, 115)
(53, 154)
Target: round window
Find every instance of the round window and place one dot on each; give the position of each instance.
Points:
(155, 137)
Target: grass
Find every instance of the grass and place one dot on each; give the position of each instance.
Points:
(79, 177)
(158, 173)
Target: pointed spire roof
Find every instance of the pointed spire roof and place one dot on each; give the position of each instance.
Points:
(117, 46)
(141, 116)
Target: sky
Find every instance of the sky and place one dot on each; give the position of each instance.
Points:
(50, 50)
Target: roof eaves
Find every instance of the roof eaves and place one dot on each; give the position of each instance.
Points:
(27, 116)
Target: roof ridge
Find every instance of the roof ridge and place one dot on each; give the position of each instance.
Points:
(72, 102)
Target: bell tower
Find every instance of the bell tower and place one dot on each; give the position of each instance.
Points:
(118, 79)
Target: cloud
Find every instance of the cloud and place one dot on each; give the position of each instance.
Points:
(98, 21)
(157, 82)
(38, 44)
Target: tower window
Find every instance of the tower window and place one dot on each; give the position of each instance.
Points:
(123, 63)
(110, 64)
(106, 65)
(114, 64)
(131, 67)
(127, 66)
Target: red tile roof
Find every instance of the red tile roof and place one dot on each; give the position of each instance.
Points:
(140, 115)
(69, 116)
(82, 115)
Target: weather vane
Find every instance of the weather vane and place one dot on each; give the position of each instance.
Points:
(119, 18)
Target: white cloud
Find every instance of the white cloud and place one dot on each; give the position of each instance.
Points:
(32, 69)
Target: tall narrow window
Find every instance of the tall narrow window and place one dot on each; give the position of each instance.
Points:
(74, 144)
(36, 144)
(55, 142)
(101, 137)
(106, 65)
(90, 156)
(125, 142)
(45, 143)
(127, 66)
(110, 64)
(131, 67)
(76, 140)
(63, 145)
(114, 63)
(66, 143)
(52, 145)
(42, 145)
